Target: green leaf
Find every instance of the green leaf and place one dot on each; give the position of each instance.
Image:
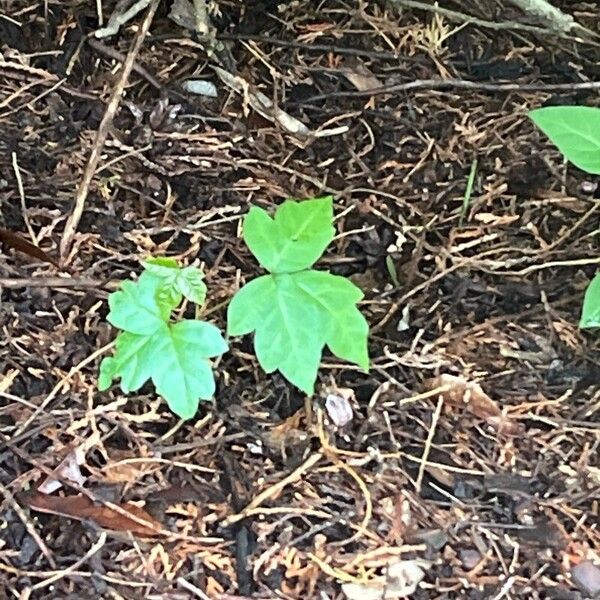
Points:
(157, 264)
(138, 308)
(295, 238)
(294, 316)
(575, 130)
(590, 313)
(250, 304)
(186, 281)
(337, 296)
(132, 361)
(174, 356)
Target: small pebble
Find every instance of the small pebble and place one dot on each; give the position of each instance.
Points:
(469, 558)
(200, 87)
(339, 409)
(588, 187)
(586, 576)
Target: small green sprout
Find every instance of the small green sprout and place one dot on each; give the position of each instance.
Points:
(468, 192)
(174, 355)
(295, 311)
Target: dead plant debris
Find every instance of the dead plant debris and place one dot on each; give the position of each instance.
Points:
(464, 465)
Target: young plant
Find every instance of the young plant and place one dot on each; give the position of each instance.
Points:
(575, 131)
(174, 355)
(295, 311)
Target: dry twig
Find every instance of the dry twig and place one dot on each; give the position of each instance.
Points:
(460, 17)
(559, 21)
(120, 16)
(102, 133)
(4, 491)
(462, 84)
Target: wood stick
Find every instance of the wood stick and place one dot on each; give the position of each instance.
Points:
(556, 19)
(102, 133)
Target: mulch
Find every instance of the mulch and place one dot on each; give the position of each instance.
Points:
(470, 462)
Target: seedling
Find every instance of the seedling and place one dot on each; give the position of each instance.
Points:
(295, 311)
(174, 355)
(468, 192)
(575, 130)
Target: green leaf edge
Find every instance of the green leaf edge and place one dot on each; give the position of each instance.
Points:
(309, 390)
(257, 210)
(538, 116)
(591, 304)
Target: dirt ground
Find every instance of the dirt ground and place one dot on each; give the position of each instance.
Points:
(470, 467)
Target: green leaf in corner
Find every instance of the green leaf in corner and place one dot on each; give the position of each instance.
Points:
(575, 130)
(294, 316)
(590, 313)
(295, 238)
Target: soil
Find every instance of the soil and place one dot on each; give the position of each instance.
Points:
(472, 452)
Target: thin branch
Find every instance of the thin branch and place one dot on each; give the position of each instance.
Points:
(559, 21)
(102, 133)
(118, 18)
(55, 282)
(454, 15)
(428, 442)
(443, 84)
(21, 189)
(31, 530)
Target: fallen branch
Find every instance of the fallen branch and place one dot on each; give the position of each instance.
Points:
(453, 15)
(120, 16)
(102, 133)
(559, 21)
(444, 84)
(56, 282)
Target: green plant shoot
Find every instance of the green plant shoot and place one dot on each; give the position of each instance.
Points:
(575, 131)
(295, 311)
(174, 355)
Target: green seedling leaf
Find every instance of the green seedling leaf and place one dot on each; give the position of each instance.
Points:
(139, 307)
(173, 355)
(575, 130)
(294, 312)
(186, 281)
(590, 313)
(294, 316)
(294, 239)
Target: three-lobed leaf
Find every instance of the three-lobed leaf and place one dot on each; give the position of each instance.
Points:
(294, 238)
(294, 316)
(173, 355)
(575, 130)
(590, 313)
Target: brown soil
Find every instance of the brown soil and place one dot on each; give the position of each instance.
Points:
(497, 497)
